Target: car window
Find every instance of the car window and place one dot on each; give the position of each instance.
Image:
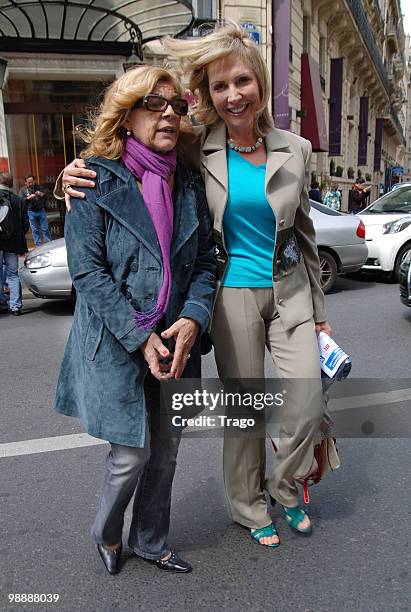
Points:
(324, 209)
(397, 201)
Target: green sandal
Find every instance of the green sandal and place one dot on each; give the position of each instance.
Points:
(293, 517)
(265, 532)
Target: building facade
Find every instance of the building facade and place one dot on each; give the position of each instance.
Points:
(339, 70)
(407, 167)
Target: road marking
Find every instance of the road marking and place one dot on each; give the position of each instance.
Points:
(58, 443)
(45, 445)
(370, 399)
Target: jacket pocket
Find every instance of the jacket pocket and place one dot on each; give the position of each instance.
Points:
(287, 254)
(93, 337)
(185, 271)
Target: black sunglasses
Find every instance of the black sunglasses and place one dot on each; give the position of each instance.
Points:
(158, 104)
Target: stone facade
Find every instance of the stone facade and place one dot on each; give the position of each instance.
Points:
(407, 161)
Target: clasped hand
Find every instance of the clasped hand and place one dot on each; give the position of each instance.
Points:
(163, 364)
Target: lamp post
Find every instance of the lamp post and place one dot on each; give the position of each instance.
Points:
(136, 58)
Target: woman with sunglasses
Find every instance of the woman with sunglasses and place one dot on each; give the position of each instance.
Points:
(268, 289)
(141, 257)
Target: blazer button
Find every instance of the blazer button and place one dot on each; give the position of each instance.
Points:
(281, 222)
(280, 301)
(134, 266)
(278, 262)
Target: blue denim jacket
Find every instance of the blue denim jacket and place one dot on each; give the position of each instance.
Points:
(115, 263)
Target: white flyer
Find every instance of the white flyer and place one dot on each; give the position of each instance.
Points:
(331, 355)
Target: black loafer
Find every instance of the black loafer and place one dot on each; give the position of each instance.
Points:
(16, 312)
(111, 558)
(173, 564)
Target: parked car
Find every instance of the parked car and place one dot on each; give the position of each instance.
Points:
(388, 231)
(340, 240)
(404, 278)
(398, 185)
(45, 271)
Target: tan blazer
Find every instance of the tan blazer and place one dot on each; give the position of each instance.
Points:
(296, 269)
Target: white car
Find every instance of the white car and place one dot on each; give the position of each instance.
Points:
(399, 185)
(388, 231)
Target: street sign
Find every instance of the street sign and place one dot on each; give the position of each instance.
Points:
(397, 171)
(252, 30)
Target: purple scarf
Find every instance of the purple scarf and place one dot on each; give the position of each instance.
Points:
(154, 169)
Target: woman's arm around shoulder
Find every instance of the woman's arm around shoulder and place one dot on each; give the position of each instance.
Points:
(77, 174)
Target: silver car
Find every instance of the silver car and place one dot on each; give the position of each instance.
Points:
(45, 271)
(340, 240)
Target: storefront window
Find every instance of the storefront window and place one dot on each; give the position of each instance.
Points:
(41, 117)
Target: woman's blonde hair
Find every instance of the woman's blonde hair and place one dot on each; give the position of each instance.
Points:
(106, 131)
(197, 54)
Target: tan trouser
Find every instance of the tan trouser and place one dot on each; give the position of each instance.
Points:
(245, 322)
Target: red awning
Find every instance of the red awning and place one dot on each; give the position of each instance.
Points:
(313, 121)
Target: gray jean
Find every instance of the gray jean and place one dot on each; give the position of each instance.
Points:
(148, 474)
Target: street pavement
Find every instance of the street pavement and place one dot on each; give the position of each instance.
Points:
(355, 561)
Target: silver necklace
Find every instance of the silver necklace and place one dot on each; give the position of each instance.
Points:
(240, 149)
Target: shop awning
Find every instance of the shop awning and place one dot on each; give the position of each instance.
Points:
(313, 117)
(89, 26)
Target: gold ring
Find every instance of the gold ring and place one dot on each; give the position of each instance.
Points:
(66, 186)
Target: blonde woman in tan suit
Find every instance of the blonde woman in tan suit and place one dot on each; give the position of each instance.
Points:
(269, 293)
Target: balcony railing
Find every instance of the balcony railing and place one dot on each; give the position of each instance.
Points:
(393, 30)
(368, 37)
(397, 123)
(399, 64)
(378, 11)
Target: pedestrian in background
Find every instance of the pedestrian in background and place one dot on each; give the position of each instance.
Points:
(3, 275)
(15, 224)
(358, 197)
(35, 200)
(332, 198)
(315, 193)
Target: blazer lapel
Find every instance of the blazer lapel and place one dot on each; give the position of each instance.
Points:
(127, 206)
(214, 161)
(277, 155)
(214, 157)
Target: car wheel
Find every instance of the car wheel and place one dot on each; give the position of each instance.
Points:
(400, 256)
(328, 270)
